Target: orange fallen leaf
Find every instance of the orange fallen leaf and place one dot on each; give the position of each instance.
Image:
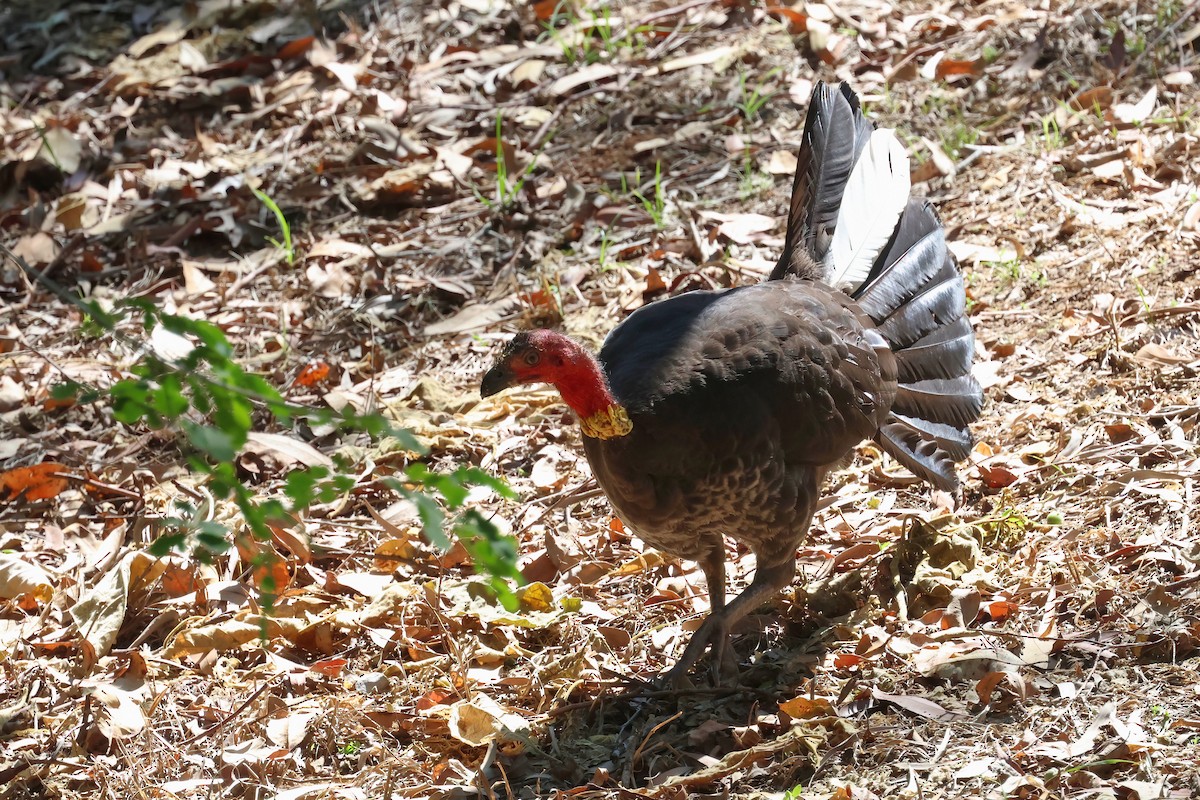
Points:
(997, 477)
(90, 262)
(539, 298)
(1100, 97)
(797, 22)
(56, 403)
(40, 482)
(1119, 432)
(330, 667)
(949, 68)
(987, 686)
(296, 47)
(434, 697)
(314, 373)
(847, 660)
(268, 568)
(1000, 609)
(655, 285)
(393, 553)
(804, 708)
(177, 581)
(544, 10)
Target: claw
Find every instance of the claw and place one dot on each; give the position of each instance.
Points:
(768, 579)
(714, 631)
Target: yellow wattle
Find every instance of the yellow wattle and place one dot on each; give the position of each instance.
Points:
(607, 423)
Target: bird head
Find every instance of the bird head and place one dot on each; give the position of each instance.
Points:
(537, 356)
(541, 356)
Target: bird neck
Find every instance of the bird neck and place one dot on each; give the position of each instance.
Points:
(584, 388)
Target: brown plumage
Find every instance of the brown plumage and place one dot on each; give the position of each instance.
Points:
(718, 414)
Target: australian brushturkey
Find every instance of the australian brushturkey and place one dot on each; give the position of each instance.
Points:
(720, 412)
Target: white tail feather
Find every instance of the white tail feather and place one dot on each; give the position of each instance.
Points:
(875, 196)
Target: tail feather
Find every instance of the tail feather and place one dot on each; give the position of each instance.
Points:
(952, 401)
(916, 297)
(955, 441)
(835, 133)
(914, 254)
(873, 201)
(939, 304)
(946, 352)
(920, 454)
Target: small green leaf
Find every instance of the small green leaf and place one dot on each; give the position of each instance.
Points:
(301, 485)
(216, 443)
(66, 391)
(169, 400)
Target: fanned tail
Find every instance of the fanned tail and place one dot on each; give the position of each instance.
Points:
(852, 225)
(915, 296)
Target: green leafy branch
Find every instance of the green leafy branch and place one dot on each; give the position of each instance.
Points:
(211, 401)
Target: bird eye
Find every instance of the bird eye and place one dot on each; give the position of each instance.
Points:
(532, 357)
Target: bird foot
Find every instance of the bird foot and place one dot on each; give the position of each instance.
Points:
(714, 631)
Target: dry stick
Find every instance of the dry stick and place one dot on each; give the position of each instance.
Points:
(1182, 583)
(670, 12)
(565, 499)
(668, 42)
(225, 720)
(637, 754)
(107, 487)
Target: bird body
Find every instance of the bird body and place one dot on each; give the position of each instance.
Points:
(719, 413)
(739, 403)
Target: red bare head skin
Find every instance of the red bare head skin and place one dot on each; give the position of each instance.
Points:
(543, 356)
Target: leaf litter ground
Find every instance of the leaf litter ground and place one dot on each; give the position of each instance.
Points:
(469, 167)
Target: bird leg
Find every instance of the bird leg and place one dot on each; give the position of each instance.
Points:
(713, 564)
(724, 662)
(768, 580)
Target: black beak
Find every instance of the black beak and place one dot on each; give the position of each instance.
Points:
(496, 379)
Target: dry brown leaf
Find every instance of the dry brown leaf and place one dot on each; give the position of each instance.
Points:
(996, 477)
(481, 720)
(20, 576)
(919, 706)
(1100, 97)
(536, 597)
(291, 730)
(807, 708)
(475, 316)
(101, 610)
(288, 449)
(119, 716)
(716, 55)
(391, 554)
(37, 249)
(1140, 111)
(796, 21)
(61, 148)
(741, 228)
(43, 481)
(952, 68)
